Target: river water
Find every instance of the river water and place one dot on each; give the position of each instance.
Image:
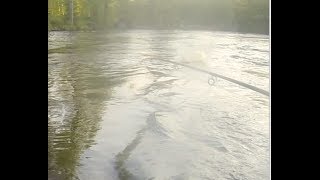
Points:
(116, 111)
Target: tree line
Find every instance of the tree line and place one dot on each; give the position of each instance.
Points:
(233, 15)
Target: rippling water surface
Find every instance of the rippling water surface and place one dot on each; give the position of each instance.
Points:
(116, 111)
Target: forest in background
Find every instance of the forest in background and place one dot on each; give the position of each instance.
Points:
(250, 16)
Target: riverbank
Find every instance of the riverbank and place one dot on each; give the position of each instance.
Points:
(265, 32)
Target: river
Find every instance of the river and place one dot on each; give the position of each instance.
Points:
(117, 111)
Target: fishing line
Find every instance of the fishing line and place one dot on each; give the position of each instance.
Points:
(211, 81)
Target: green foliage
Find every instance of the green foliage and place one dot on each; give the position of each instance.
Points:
(239, 15)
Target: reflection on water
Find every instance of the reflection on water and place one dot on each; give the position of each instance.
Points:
(77, 93)
(116, 112)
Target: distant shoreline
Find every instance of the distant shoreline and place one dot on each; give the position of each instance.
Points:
(164, 29)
